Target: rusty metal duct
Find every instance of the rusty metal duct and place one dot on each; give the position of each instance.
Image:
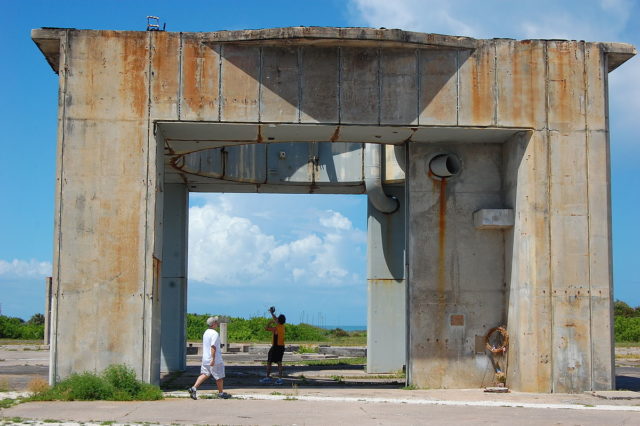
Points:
(373, 179)
(444, 165)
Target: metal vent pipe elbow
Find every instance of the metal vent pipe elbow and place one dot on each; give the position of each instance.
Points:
(373, 180)
(444, 165)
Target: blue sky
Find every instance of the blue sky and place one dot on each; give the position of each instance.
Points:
(311, 266)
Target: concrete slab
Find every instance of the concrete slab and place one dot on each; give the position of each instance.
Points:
(617, 394)
(399, 407)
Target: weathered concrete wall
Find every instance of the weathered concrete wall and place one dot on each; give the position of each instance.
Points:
(456, 272)
(550, 276)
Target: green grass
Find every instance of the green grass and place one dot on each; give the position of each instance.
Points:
(410, 387)
(338, 379)
(4, 341)
(627, 356)
(8, 402)
(307, 349)
(329, 362)
(627, 344)
(116, 383)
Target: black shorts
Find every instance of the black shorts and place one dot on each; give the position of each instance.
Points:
(275, 354)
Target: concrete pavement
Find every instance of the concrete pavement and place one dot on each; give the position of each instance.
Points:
(319, 395)
(341, 406)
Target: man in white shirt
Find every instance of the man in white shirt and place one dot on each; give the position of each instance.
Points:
(212, 364)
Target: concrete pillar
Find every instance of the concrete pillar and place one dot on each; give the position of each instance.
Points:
(106, 263)
(386, 319)
(173, 294)
(224, 341)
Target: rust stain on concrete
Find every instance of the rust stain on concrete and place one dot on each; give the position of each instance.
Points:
(134, 86)
(165, 71)
(200, 80)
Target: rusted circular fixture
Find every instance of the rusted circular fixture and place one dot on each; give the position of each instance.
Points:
(445, 165)
(497, 340)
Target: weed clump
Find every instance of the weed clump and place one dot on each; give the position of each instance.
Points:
(116, 383)
(38, 385)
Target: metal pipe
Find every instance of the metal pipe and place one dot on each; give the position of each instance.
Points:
(373, 180)
(444, 165)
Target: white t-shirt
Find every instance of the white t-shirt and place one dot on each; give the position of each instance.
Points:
(210, 338)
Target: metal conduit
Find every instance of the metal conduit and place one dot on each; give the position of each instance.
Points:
(373, 179)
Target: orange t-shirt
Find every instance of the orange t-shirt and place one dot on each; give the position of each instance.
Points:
(278, 336)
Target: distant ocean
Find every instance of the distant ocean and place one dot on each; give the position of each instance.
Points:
(345, 327)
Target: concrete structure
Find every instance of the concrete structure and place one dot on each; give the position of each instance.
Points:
(496, 152)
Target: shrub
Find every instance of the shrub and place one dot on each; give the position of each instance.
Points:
(123, 380)
(116, 383)
(16, 328)
(627, 329)
(252, 330)
(338, 332)
(84, 387)
(38, 385)
(307, 349)
(36, 319)
(621, 309)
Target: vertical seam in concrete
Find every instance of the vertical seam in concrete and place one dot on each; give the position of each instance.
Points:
(260, 76)
(458, 87)
(604, 60)
(146, 375)
(220, 51)
(407, 204)
(586, 142)
(418, 86)
(495, 83)
(379, 56)
(339, 85)
(300, 94)
(548, 152)
(180, 54)
(53, 356)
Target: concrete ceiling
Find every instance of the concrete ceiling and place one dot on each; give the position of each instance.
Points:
(182, 138)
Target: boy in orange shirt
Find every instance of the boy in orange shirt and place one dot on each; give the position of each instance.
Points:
(277, 347)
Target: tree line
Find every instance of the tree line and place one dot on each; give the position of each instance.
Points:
(626, 327)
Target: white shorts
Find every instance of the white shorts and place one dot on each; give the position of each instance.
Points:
(217, 370)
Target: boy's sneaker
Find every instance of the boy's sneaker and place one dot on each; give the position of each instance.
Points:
(224, 395)
(192, 392)
(279, 382)
(265, 380)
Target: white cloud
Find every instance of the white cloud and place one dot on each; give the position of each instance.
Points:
(335, 220)
(412, 15)
(226, 247)
(24, 269)
(589, 20)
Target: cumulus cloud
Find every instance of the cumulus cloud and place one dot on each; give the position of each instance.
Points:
(591, 20)
(335, 220)
(227, 248)
(413, 15)
(24, 269)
